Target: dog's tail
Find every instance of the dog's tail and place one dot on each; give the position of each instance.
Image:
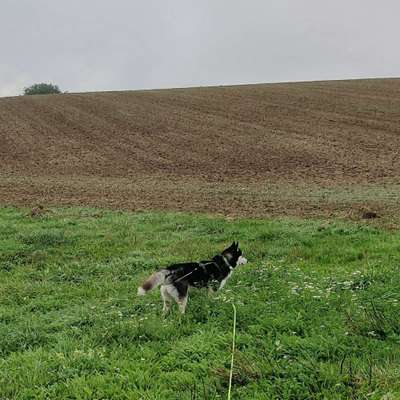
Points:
(153, 281)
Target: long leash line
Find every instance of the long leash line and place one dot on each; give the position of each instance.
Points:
(184, 276)
(233, 351)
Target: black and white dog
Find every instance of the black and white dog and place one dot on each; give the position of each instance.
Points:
(176, 279)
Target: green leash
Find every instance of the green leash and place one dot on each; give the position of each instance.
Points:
(233, 351)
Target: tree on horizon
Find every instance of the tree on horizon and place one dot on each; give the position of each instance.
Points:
(41, 88)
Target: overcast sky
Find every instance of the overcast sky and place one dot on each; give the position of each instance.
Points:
(92, 45)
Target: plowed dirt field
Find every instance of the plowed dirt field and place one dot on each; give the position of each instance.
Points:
(315, 148)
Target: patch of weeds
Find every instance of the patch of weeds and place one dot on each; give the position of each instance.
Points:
(20, 258)
(245, 371)
(359, 282)
(6, 266)
(374, 321)
(21, 339)
(46, 239)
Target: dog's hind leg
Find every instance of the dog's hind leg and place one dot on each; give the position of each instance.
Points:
(167, 298)
(179, 292)
(182, 302)
(183, 290)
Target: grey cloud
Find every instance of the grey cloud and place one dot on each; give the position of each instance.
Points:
(102, 45)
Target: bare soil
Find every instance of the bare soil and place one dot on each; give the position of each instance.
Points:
(314, 148)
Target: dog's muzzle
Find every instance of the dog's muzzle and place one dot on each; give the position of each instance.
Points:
(241, 261)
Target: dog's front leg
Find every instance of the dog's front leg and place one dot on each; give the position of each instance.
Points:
(213, 287)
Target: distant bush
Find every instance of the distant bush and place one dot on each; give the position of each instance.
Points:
(42, 88)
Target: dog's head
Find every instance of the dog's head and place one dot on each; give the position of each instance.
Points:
(234, 256)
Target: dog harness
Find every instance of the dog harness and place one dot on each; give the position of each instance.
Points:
(203, 265)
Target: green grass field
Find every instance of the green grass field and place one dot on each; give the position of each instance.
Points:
(317, 309)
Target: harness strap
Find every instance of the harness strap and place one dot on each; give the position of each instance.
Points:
(227, 263)
(203, 265)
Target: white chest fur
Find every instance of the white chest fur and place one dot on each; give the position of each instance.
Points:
(241, 261)
(222, 284)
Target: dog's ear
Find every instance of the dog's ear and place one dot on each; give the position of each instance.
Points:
(233, 245)
(237, 245)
